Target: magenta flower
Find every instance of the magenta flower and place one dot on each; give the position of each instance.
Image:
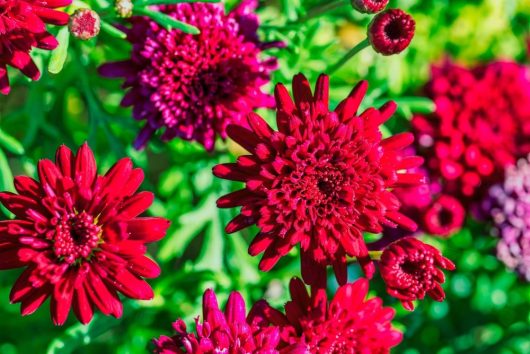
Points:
(194, 86)
(230, 331)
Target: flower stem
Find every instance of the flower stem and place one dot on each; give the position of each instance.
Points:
(360, 46)
(319, 10)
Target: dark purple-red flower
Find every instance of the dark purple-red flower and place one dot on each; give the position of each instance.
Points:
(193, 86)
(231, 331)
(481, 125)
(369, 6)
(444, 216)
(391, 31)
(22, 28)
(79, 237)
(320, 181)
(346, 324)
(412, 269)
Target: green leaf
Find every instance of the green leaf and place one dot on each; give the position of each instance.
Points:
(58, 57)
(80, 335)
(167, 21)
(112, 31)
(11, 144)
(6, 180)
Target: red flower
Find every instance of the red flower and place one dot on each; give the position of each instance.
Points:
(319, 181)
(221, 332)
(369, 6)
(347, 324)
(391, 31)
(481, 125)
(444, 217)
(22, 28)
(79, 237)
(193, 86)
(410, 269)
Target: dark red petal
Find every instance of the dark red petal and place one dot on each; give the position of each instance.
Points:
(131, 286)
(348, 107)
(82, 306)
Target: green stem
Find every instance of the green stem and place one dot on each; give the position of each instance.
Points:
(319, 10)
(360, 46)
(375, 255)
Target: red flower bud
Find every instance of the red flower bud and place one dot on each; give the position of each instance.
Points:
(391, 31)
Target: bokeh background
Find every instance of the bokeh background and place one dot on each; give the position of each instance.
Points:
(487, 309)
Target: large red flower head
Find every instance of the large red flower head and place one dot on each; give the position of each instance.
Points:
(23, 27)
(79, 237)
(193, 86)
(347, 324)
(412, 269)
(319, 181)
(231, 331)
(481, 125)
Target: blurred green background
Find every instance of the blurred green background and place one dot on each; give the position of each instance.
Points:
(487, 308)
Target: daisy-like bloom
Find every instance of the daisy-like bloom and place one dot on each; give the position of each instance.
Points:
(79, 237)
(369, 6)
(508, 205)
(481, 125)
(411, 269)
(319, 181)
(444, 217)
(84, 24)
(193, 86)
(391, 31)
(22, 28)
(346, 324)
(231, 331)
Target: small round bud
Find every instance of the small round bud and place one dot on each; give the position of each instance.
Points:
(84, 24)
(391, 31)
(124, 8)
(369, 6)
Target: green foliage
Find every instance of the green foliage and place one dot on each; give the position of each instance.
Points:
(486, 310)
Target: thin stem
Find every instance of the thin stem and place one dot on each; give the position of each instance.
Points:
(319, 10)
(360, 46)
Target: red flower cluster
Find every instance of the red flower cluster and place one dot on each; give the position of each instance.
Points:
(320, 181)
(193, 86)
(222, 332)
(22, 28)
(410, 269)
(346, 324)
(481, 125)
(79, 237)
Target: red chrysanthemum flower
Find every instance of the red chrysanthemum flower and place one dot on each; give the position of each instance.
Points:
(411, 269)
(319, 181)
(481, 125)
(230, 331)
(391, 31)
(347, 324)
(444, 217)
(22, 28)
(369, 6)
(193, 86)
(79, 237)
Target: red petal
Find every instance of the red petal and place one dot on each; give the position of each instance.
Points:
(63, 159)
(136, 205)
(147, 229)
(85, 166)
(82, 306)
(348, 108)
(144, 267)
(131, 286)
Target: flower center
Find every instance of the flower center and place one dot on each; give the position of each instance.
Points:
(395, 30)
(76, 236)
